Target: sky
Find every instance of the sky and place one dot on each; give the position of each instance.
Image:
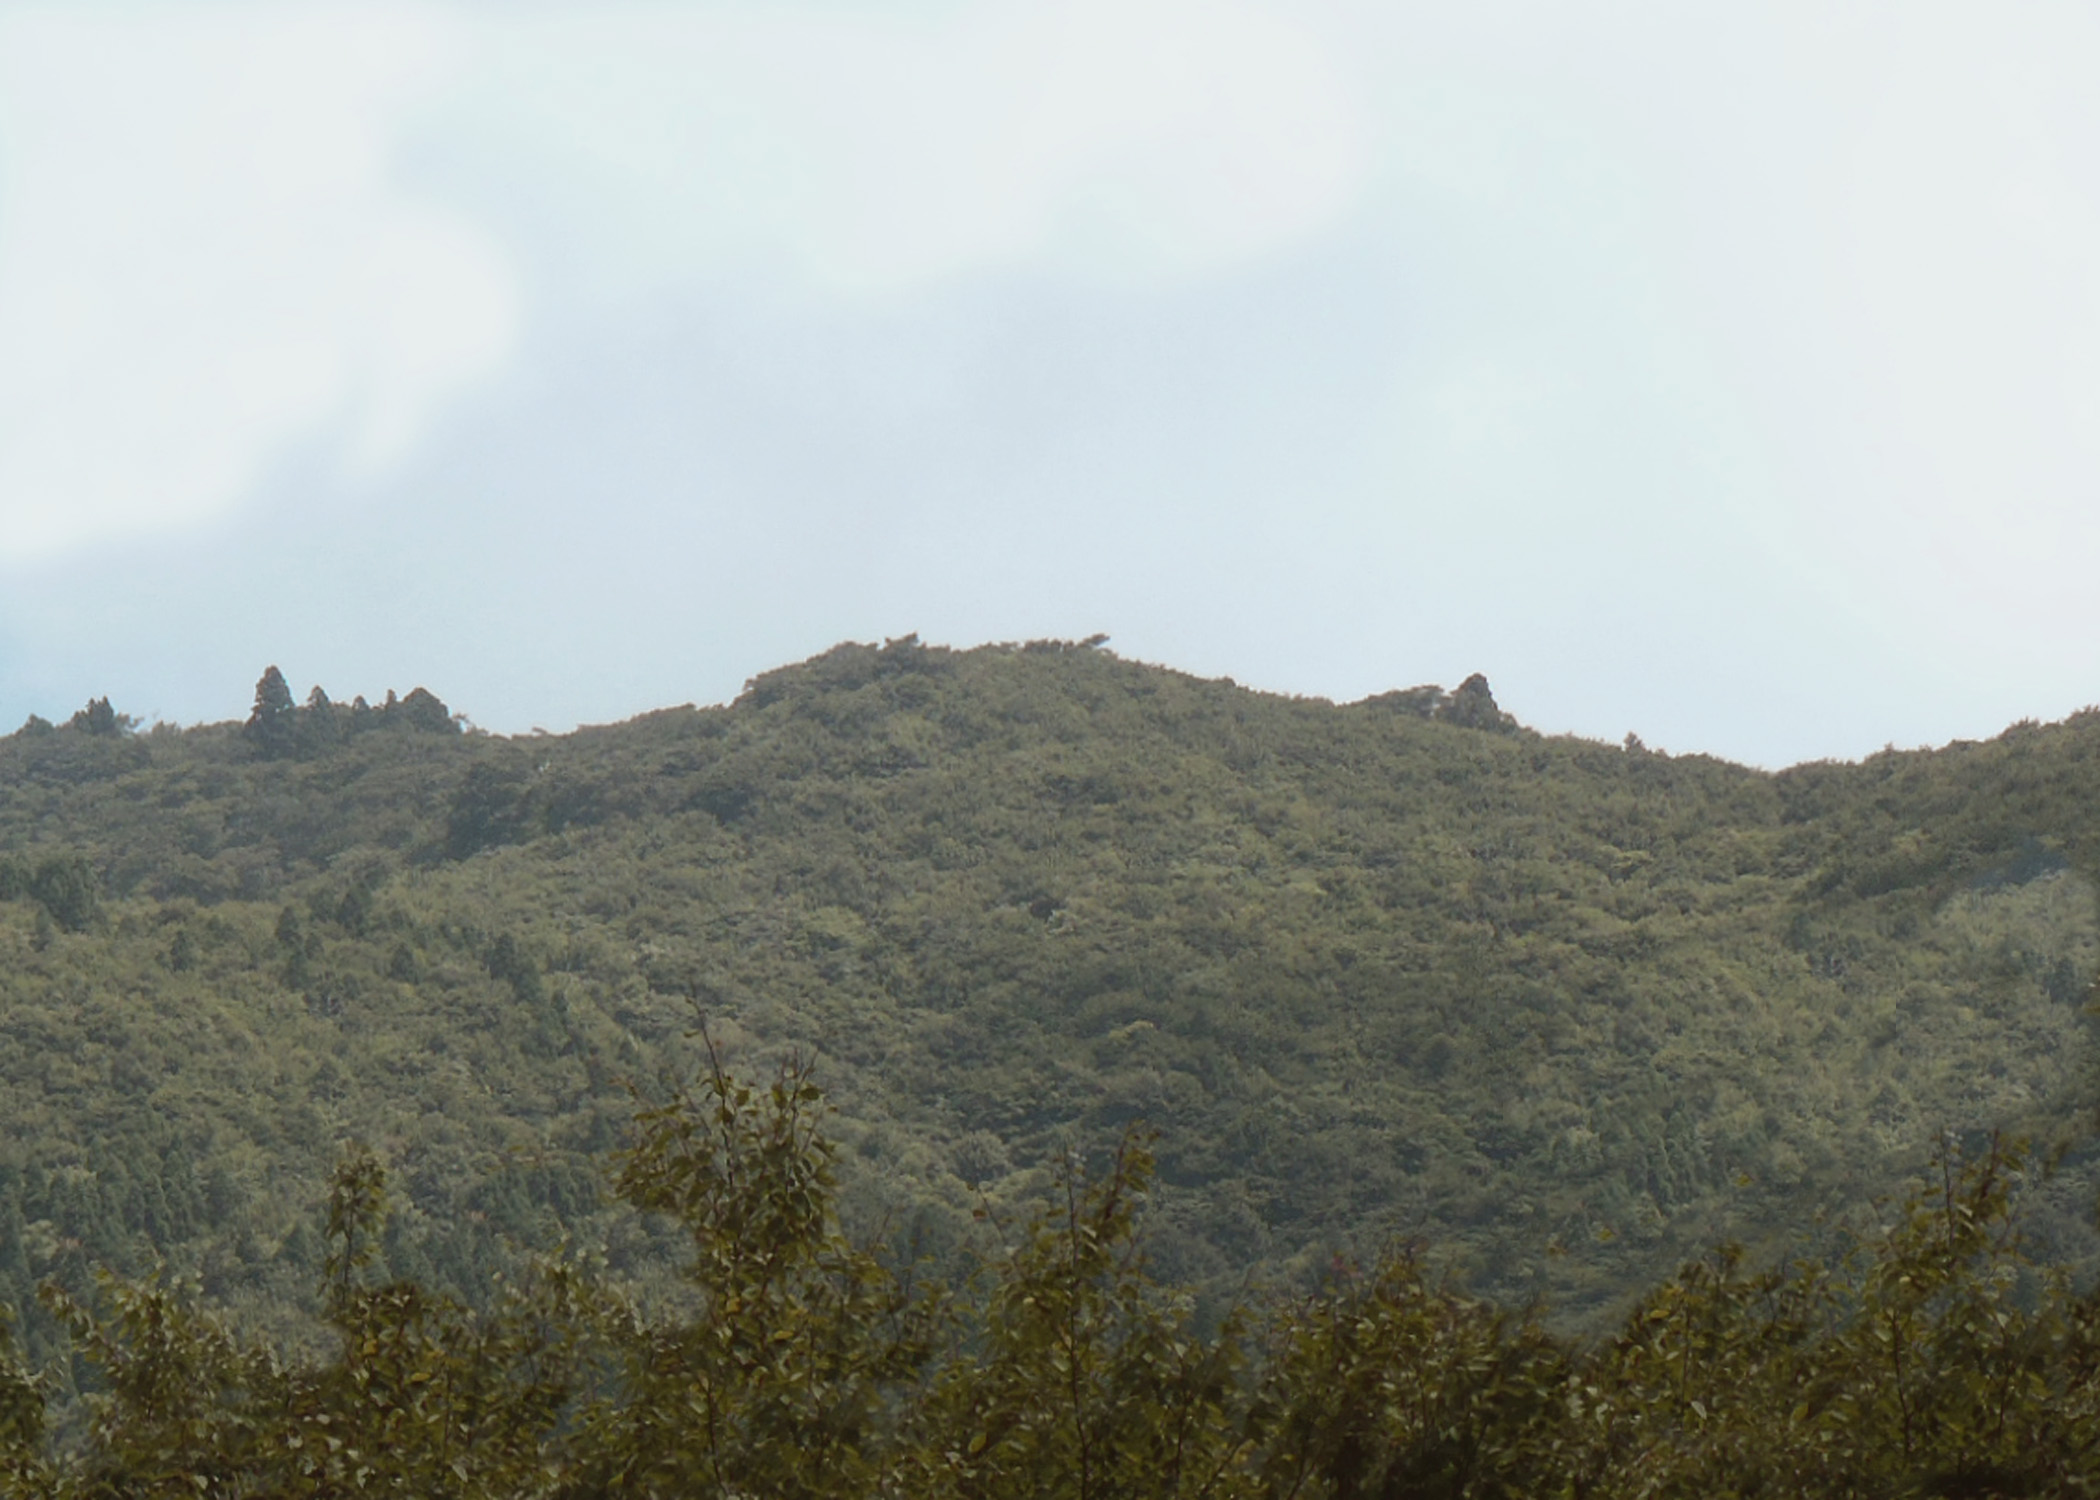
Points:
(1725, 374)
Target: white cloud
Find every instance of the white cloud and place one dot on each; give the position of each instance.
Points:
(867, 153)
(1851, 254)
(203, 258)
(1973, 220)
(210, 250)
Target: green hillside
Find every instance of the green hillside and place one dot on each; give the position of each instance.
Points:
(1564, 1012)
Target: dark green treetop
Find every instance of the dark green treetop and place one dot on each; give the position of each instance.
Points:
(272, 726)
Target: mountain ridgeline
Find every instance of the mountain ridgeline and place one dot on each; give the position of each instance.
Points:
(1563, 1013)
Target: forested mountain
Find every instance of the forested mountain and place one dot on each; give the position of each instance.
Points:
(1563, 1012)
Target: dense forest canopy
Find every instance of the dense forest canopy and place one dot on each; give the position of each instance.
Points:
(1400, 971)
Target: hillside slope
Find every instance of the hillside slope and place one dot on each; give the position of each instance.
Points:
(1401, 968)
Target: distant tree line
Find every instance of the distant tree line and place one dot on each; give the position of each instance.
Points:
(281, 728)
(98, 718)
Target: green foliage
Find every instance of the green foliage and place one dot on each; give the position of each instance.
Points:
(1565, 1012)
(23, 1465)
(782, 1381)
(98, 718)
(1086, 1380)
(421, 1399)
(272, 725)
(278, 727)
(64, 885)
(1927, 1360)
(1388, 1385)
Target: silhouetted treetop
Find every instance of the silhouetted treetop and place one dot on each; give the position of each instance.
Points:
(98, 718)
(272, 725)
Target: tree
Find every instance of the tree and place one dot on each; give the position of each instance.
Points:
(318, 728)
(273, 727)
(67, 887)
(424, 710)
(788, 1381)
(1088, 1379)
(493, 806)
(98, 718)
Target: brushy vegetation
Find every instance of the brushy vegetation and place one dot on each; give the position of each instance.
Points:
(1931, 1360)
(1396, 971)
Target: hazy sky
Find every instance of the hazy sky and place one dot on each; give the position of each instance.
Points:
(1726, 373)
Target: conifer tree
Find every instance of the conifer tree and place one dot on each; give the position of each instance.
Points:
(273, 726)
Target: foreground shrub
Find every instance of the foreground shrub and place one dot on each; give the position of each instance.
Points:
(1933, 1361)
